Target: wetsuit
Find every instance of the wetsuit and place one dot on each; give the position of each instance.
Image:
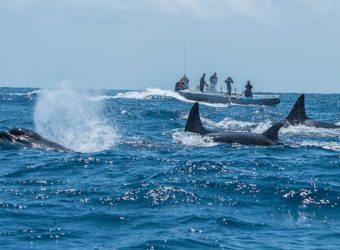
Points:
(248, 92)
(202, 83)
(229, 81)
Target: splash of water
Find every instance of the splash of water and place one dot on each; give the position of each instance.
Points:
(191, 139)
(67, 117)
(142, 95)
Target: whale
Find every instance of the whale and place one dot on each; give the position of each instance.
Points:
(268, 138)
(29, 138)
(298, 116)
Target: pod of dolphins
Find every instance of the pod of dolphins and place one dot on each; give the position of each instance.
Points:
(194, 124)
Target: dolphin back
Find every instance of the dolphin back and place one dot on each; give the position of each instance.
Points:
(298, 112)
(272, 132)
(194, 123)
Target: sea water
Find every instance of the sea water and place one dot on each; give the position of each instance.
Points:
(135, 180)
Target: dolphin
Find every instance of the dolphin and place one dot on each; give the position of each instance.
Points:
(29, 138)
(268, 138)
(298, 116)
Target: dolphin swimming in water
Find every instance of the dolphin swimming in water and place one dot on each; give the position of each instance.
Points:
(298, 116)
(30, 138)
(269, 137)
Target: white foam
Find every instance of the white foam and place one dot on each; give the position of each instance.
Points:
(144, 94)
(28, 94)
(151, 93)
(310, 131)
(261, 127)
(335, 146)
(234, 124)
(67, 117)
(191, 139)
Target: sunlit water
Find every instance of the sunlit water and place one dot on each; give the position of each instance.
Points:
(135, 180)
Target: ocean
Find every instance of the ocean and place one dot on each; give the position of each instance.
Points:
(135, 180)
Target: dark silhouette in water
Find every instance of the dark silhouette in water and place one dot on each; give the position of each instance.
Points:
(268, 138)
(29, 138)
(298, 116)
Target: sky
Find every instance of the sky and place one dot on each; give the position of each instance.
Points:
(279, 45)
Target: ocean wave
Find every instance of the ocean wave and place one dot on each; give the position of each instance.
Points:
(150, 94)
(229, 123)
(27, 94)
(331, 145)
(142, 95)
(310, 131)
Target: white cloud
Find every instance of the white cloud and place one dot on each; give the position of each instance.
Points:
(204, 9)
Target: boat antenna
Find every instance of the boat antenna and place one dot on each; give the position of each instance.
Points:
(185, 59)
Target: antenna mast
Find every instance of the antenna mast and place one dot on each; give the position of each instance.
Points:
(185, 59)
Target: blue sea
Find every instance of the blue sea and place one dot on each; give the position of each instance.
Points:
(135, 180)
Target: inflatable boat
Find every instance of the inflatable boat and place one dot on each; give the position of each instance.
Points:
(222, 97)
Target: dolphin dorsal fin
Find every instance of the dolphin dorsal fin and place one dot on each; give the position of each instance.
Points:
(194, 123)
(298, 112)
(272, 132)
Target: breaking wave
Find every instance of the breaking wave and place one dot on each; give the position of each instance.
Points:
(152, 93)
(142, 95)
(28, 94)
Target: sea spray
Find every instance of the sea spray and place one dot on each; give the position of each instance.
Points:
(68, 117)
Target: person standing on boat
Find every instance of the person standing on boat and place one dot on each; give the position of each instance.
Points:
(213, 81)
(202, 82)
(229, 81)
(247, 92)
(184, 82)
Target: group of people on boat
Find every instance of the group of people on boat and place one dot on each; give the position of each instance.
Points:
(183, 84)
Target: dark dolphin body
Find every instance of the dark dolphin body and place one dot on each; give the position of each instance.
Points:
(28, 138)
(298, 116)
(268, 138)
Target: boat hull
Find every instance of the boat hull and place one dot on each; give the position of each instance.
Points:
(224, 99)
(255, 100)
(204, 97)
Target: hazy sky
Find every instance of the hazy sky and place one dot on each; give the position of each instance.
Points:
(280, 45)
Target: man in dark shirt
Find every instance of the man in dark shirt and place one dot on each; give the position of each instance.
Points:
(202, 83)
(247, 92)
(229, 81)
